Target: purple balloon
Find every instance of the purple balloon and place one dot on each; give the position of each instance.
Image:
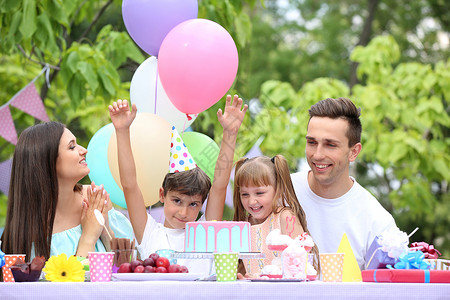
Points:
(149, 21)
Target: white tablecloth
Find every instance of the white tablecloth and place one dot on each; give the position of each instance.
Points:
(222, 290)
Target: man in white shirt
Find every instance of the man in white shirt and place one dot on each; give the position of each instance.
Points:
(333, 201)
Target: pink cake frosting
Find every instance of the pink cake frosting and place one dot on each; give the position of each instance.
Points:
(217, 236)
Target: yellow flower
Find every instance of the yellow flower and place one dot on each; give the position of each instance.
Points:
(62, 269)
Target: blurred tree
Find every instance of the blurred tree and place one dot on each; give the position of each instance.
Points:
(292, 54)
(91, 56)
(406, 145)
(300, 40)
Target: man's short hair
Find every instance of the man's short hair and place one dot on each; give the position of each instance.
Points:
(341, 108)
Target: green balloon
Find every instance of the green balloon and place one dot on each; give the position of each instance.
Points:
(203, 149)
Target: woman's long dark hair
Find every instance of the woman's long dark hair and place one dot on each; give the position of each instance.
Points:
(33, 191)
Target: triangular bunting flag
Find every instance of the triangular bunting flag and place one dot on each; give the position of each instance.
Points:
(351, 271)
(7, 128)
(29, 101)
(5, 175)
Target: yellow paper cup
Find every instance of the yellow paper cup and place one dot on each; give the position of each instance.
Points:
(100, 265)
(331, 265)
(10, 259)
(226, 266)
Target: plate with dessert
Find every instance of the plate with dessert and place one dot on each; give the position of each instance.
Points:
(156, 276)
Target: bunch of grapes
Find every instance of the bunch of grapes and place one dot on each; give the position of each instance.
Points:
(153, 264)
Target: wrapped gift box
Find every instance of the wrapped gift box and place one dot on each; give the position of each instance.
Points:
(376, 258)
(402, 275)
(439, 264)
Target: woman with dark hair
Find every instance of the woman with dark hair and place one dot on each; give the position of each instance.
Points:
(48, 211)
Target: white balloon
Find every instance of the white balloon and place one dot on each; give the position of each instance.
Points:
(142, 93)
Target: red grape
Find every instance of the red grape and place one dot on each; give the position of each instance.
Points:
(125, 268)
(134, 264)
(149, 269)
(175, 268)
(154, 256)
(184, 269)
(139, 269)
(149, 262)
(162, 262)
(161, 270)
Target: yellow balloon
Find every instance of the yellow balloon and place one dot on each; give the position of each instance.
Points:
(150, 141)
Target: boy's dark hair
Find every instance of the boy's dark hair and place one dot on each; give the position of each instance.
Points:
(191, 182)
(341, 108)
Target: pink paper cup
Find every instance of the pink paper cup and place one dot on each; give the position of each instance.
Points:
(10, 259)
(331, 265)
(100, 266)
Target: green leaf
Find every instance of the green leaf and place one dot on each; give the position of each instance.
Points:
(442, 167)
(72, 61)
(7, 6)
(48, 35)
(74, 89)
(13, 36)
(243, 28)
(28, 24)
(106, 81)
(88, 72)
(56, 10)
(416, 144)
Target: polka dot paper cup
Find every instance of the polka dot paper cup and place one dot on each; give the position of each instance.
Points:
(226, 266)
(331, 265)
(167, 253)
(10, 259)
(100, 265)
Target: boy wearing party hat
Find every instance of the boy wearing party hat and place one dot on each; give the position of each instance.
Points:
(184, 188)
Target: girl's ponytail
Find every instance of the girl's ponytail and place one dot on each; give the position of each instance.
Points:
(239, 210)
(286, 194)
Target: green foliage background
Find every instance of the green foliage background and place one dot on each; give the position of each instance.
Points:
(292, 54)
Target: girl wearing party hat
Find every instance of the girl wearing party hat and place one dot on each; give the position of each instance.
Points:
(184, 188)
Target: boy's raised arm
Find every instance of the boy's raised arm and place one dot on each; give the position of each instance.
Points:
(122, 117)
(230, 120)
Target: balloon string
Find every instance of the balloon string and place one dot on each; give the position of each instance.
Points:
(156, 87)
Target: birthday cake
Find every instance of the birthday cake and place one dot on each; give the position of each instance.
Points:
(217, 236)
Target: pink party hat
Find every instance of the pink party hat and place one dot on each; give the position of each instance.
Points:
(180, 158)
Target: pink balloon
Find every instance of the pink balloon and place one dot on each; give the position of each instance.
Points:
(198, 62)
(149, 21)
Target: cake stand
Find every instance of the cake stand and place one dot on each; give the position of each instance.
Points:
(205, 255)
(210, 255)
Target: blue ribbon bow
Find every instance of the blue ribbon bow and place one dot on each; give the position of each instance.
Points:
(411, 260)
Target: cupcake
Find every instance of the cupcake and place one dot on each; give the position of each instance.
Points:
(276, 241)
(27, 272)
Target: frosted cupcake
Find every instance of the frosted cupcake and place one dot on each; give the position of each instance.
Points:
(276, 241)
